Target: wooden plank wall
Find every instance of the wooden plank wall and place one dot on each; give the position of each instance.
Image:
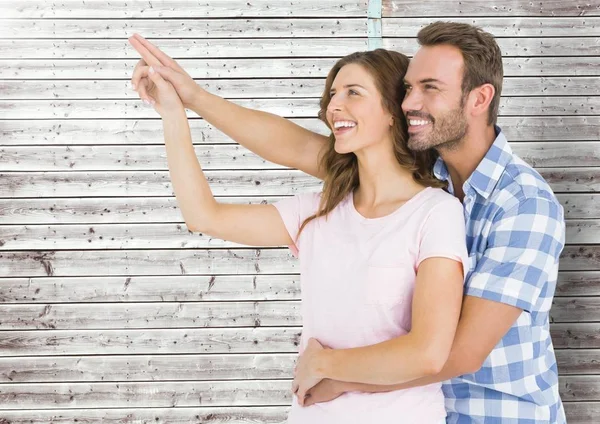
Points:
(110, 310)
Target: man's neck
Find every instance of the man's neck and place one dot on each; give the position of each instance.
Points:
(462, 160)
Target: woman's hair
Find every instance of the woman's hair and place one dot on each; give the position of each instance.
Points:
(387, 68)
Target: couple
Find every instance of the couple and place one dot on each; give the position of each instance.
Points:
(386, 254)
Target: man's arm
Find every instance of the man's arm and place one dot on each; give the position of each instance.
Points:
(524, 247)
(272, 137)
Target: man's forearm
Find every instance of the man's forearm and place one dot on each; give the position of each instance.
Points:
(272, 137)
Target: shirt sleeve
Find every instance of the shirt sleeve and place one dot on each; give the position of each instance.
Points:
(443, 234)
(522, 254)
(293, 211)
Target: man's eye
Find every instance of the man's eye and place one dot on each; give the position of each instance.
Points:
(429, 87)
(407, 87)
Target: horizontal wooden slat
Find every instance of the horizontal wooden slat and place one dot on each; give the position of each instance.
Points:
(188, 288)
(224, 157)
(151, 262)
(263, 68)
(119, 9)
(204, 262)
(576, 309)
(95, 316)
(155, 394)
(512, 47)
(146, 368)
(578, 361)
(98, 132)
(199, 367)
(150, 131)
(502, 26)
(213, 393)
(263, 88)
(223, 183)
(578, 283)
(308, 108)
(510, 8)
(582, 412)
(209, 340)
(118, 158)
(580, 388)
(279, 47)
(163, 30)
(220, 48)
(206, 314)
(166, 210)
(169, 236)
(576, 335)
(145, 342)
(177, 415)
(192, 288)
(152, 183)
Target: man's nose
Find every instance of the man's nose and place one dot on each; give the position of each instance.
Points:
(412, 101)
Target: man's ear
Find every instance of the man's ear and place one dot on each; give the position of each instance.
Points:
(480, 99)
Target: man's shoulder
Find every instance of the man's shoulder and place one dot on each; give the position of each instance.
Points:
(520, 184)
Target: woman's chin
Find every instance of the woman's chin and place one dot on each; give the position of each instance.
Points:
(341, 148)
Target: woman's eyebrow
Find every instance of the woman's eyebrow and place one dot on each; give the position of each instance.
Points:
(349, 86)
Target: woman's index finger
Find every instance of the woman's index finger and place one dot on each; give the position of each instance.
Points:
(144, 52)
(158, 53)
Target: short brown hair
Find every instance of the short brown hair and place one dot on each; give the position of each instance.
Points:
(481, 55)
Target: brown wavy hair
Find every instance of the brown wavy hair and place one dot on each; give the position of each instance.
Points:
(387, 68)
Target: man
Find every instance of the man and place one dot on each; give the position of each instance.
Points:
(502, 367)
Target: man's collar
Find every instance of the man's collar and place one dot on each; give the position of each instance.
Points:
(487, 174)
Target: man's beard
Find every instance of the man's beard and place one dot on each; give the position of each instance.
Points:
(446, 134)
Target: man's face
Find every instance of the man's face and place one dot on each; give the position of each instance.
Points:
(434, 103)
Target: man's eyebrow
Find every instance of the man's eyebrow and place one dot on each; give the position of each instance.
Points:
(428, 80)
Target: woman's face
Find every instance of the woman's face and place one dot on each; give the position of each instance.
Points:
(355, 112)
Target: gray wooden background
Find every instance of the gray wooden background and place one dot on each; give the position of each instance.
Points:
(110, 310)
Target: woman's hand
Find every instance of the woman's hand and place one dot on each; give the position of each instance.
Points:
(169, 69)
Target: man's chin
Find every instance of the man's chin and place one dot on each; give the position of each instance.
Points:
(418, 144)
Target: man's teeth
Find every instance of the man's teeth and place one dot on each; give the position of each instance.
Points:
(347, 124)
(416, 122)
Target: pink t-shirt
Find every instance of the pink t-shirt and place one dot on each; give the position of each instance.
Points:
(357, 279)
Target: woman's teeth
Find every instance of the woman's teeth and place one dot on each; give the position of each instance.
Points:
(344, 124)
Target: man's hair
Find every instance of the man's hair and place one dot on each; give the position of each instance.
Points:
(481, 55)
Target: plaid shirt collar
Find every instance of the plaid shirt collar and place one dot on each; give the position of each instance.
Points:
(485, 177)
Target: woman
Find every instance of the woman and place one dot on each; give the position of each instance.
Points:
(382, 251)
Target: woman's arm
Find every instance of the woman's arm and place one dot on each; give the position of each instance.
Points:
(246, 224)
(270, 136)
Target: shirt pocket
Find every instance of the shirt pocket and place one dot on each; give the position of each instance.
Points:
(389, 286)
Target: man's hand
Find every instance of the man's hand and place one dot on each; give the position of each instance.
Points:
(327, 390)
(305, 373)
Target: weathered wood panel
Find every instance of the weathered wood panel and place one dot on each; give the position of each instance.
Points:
(183, 8)
(223, 183)
(180, 415)
(169, 236)
(165, 209)
(578, 283)
(576, 335)
(84, 30)
(146, 368)
(203, 262)
(110, 132)
(258, 88)
(151, 341)
(53, 369)
(102, 316)
(265, 68)
(503, 26)
(509, 8)
(134, 109)
(149, 131)
(215, 157)
(230, 48)
(176, 288)
(214, 393)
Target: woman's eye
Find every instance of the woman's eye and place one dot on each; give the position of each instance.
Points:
(352, 92)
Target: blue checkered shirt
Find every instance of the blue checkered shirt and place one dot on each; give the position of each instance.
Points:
(515, 234)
